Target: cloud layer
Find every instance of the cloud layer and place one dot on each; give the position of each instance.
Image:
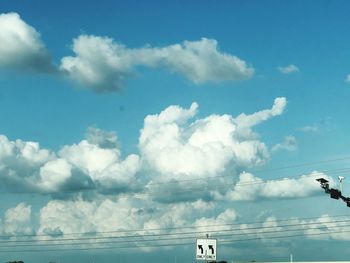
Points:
(173, 146)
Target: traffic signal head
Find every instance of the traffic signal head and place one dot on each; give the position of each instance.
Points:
(335, 193)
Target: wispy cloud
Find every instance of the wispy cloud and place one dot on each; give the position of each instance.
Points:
(288, 69)
(309, 128)
(289, 144)
(347, 80)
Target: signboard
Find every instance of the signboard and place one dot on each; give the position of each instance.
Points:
(206, 249)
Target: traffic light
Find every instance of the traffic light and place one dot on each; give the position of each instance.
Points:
(335, 193)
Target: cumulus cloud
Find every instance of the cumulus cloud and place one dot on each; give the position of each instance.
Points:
(54, 174)
(103, 165)
(20, 162)
(21, 46)
(92, 163)
(173, 146)
(82, 216)
(176, 148)
(102, 64)
(250, 187)
(288, 69)
(17, 220)
(99, 158)
(104, 217)
(104, 139)
(228, 217)
(289, 144)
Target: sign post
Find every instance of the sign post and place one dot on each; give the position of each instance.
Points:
(206, 249)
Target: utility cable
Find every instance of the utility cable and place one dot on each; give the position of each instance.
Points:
(163, 245)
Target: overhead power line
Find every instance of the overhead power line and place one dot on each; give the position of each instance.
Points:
(249, 225)
(261, 170)
(179, 236)
(169, 244)
(141, 239)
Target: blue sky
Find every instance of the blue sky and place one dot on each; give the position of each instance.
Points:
(115, 116)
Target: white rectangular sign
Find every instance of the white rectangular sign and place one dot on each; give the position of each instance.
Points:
(206, 249)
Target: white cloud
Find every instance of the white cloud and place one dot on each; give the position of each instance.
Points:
(102, 64)
(79, 216)
(17, 220)
(95, 162)
(20, 162)
(21, 46)
(176, 149)
(102, 138)
(195, 60)
(250, 187)
(99, 64)
(172, 147)
(89, 158)
(288, 69)
(102, 165)
(245, 122)
(228, 217)
(328, 228)
(309, 128)
(82, 216)
(54, 173)
(323, 228)
(289, 144)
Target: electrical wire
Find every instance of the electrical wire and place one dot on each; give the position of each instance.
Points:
(289, 236)
(192, 226)
(142, 240)
(262, 170)
(220, 232)
(166, 244)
